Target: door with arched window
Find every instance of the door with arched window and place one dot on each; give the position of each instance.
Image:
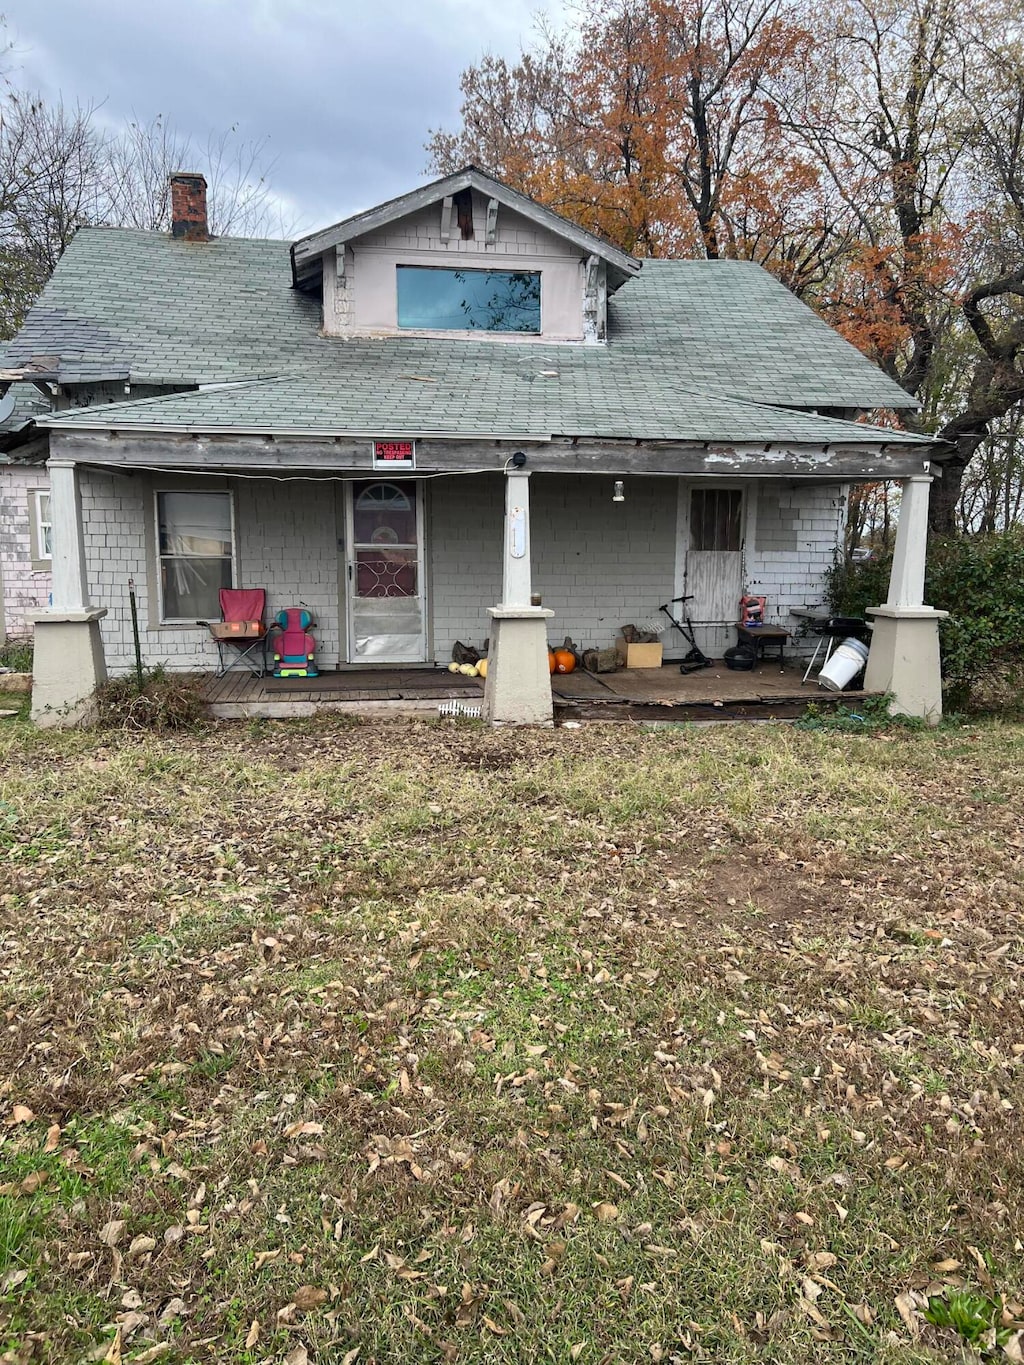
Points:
(384, 572)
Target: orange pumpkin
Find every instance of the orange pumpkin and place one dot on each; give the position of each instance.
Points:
(551, 661)
(565, 661)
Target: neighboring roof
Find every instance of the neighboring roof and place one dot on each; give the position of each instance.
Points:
(146, 308)
(20, 408)
(412, 388)
(308, 250)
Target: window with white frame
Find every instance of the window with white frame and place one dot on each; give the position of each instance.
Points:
(196, 549)
(42, 527)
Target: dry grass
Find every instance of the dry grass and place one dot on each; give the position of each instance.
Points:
(421, 1043)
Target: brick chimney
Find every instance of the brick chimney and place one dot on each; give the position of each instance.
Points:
(188, 207)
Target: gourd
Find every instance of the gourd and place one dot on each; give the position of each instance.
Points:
(453, 668)
(481, 668)
(565, 660)
(551, 661)
(468, 670)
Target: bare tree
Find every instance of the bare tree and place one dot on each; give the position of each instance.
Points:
(59, 171)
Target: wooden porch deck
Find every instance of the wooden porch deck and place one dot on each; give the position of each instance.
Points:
(631, 694)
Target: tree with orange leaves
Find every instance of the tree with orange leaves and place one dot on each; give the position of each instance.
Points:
(660, 128)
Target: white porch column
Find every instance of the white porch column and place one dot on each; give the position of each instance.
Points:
(68, 663)
(904, 655)
(518, 686)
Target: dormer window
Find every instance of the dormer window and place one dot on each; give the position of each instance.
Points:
(436, 299)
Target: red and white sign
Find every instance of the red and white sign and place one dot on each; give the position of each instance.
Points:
(394, 454)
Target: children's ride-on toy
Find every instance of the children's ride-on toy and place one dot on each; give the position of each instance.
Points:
(294, 647)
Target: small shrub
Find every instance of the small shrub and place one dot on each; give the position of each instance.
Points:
(17, 656)
(163, 704)
(974, 1317)
(979, 580)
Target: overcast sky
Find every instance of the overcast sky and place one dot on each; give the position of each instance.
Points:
(345, 90)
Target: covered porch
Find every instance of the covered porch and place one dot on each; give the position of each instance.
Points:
(472, 543)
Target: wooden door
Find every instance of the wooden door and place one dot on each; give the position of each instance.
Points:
(714, 566)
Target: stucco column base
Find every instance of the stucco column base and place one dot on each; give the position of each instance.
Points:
(517, 690)
(904, 660)
(68, 665)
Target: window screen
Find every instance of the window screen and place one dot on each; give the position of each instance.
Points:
(195, 548)
(435, 299)
(715, 518)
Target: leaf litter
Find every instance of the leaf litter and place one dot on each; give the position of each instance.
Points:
(455, 1044)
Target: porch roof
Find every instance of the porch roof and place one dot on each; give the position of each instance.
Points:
(407, 389)
(145, 308)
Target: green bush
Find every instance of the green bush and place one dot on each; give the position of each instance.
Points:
(979, 580)
(163, 703)
(17, 656)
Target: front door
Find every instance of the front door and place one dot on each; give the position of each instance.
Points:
(384, 572)
(712, 533)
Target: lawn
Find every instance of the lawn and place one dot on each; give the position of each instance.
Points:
(406, 1042)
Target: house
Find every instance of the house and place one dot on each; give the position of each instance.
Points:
(25, 534)
(417, 419)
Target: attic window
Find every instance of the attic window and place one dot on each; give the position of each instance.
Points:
(463, 205)
(432, 298)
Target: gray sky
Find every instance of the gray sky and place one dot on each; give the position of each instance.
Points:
(346, 90)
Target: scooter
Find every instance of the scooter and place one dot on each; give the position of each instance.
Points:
(696, 658)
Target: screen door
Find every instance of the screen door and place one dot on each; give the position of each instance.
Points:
(384, 571)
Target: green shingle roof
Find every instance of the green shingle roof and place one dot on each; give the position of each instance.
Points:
(466, 389)
(696, 351)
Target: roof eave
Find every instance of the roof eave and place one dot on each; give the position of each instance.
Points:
(307, 250)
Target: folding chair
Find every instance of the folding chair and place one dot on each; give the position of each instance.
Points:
(240, 636)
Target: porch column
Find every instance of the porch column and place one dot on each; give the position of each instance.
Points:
(517, 690)
(68, 663)
(904, 656)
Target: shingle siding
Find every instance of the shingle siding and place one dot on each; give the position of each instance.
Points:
(597, 563)
(25, 588)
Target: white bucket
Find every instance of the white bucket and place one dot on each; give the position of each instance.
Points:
(846, 662)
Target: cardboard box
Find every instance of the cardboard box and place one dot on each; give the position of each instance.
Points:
(639, 656)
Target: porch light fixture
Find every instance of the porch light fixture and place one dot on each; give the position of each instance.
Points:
(518, 460)
(617, 494)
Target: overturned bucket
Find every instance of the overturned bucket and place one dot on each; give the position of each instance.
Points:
(846, 662)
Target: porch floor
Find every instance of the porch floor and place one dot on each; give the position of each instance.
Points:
(630, 694)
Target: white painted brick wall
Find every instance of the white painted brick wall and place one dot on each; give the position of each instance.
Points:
(25, 589)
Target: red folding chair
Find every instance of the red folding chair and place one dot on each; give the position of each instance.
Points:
(240, 636)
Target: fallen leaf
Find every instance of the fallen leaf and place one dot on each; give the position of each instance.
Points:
(304, 1130)
(113, 1356)
(153, 1353)
(112, 1232)
(140, 1245)
(298, 1355)
(606, 1213)
(307, 1297)
(21, 1113)
(52, 1138)
(253, 1335)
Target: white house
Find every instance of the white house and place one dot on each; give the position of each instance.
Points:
(414, 420)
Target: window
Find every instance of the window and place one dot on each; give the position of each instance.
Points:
(195, 538)
(42, 528)
(435, 299)
(715, 518)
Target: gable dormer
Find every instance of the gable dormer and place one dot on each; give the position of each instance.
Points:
(463, 257)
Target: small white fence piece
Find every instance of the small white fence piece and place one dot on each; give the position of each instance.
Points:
(461, 709)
